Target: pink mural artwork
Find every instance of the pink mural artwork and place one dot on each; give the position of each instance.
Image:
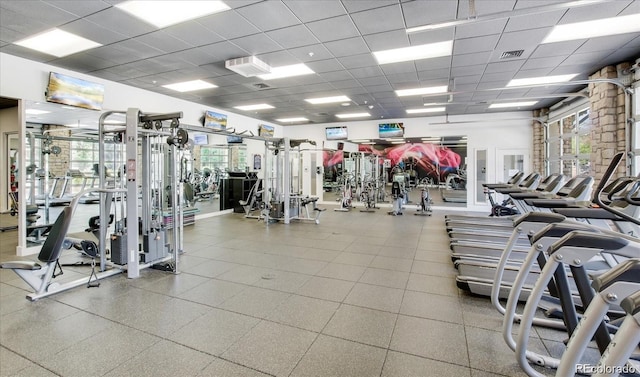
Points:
(426, 158)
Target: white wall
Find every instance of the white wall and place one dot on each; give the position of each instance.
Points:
(26, 79)
(493, 132)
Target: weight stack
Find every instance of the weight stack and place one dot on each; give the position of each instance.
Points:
(119, 248)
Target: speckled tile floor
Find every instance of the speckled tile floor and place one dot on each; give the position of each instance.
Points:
(361, 294)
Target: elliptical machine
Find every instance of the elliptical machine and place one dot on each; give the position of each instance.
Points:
(399, 194)
(424, 205)
(346, 195)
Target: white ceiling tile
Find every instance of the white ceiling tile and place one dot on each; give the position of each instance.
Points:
(347, 47)
(472, 45)
(379, 20)
(419, 13)
(332, 29)
(292, 37)
(313, 10)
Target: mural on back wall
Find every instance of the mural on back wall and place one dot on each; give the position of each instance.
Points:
(425, 160)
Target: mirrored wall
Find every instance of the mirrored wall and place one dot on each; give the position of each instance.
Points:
(436, 163)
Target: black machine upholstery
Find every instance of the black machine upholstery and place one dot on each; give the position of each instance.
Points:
(51, 248)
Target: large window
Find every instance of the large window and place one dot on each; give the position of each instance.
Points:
(568, 144)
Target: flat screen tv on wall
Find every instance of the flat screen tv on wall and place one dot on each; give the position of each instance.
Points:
(234, 140)
(337, 133)
(215, 120)
(265, 130)
(200, 139)
(71, 91)
(388, 130)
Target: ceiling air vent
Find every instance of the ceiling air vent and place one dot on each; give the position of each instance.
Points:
(261, 86)
(511, 54)
(248, 66)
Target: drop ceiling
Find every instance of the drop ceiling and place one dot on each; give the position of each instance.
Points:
(335, 38)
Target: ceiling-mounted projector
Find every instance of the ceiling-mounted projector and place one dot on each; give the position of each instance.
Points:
(248, 66)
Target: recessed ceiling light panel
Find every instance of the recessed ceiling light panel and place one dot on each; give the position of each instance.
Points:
(36, 112)
(431, 50)
(287, 71)
(352, 115)
(291, 120)
(58, 43)
(421, 91)
(260, 106)
(190, 86)
(426, 110)
(541, 80)
(595, 28)
(168, 12)
(504, 105)
(321, 100)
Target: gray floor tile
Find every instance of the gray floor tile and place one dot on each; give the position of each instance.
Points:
(354, 259)
(397, 251)
(101, 352)
(173, 285)
(304, 312)
(488, 352)
(213, 292)
(433, 268)
(271, 348)
(282, 281)
(386, 278)
(210, 268)
(375, 297)
(164, 359)
(214, 332)
(223, 368)
(253, 301)
(245, 274)
(391, 263)
(364, 248)
(12, 363)
(342, 271)
(332, 357)
(442, 256)
(174, 314)
(326, 288)
(402, 364)
(433, 284)
(304, 266)
(433, 339)
(426, 305)
(362, 325)
(40, 341)
(319, 255)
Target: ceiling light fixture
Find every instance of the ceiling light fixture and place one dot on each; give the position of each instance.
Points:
(165, 13)
(287, 71)
(260, 106)
(36, 112)
(398, 142)
(321, 100)
(541, 80)
(595, 28)
(190, 86)
(420, 91)
(57, 42)
(426, 110)
(352, 115)
(427, 51)
(512, 104)
(291, 120)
